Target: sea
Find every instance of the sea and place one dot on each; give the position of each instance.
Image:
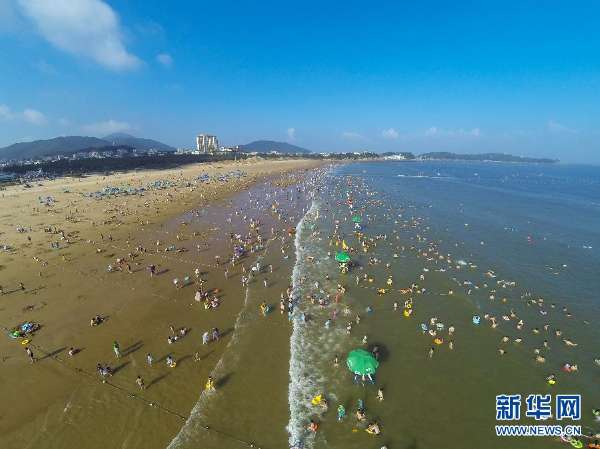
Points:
(469, 280)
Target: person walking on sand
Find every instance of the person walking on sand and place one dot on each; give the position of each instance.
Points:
(140, 383)
(210, 384)
(30, 354)
(149, 359)
(380, 394)
(117, 349)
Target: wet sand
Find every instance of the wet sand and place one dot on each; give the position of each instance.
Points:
(59, 401)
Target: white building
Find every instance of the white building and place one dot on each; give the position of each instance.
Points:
(206, 143)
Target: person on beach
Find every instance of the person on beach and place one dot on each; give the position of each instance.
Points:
(205, 338)
(380, 394)
(149, 359)
(117, 349)
(373, 428)
(170, 361)
(341, 412)
(140, 383)
(210, 384)
(30, 354)
(264, 308)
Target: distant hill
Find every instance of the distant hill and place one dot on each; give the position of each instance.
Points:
(137, 142)
(266, 146)
(492, 157)
(72, 144)
(49, 147)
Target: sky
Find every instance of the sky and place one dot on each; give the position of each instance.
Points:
(519, 77)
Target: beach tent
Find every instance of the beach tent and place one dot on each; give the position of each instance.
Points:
(342, 257)
(362, 362)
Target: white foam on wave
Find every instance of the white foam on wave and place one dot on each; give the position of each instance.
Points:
(309, 344)
(424, 176)
(300, 385)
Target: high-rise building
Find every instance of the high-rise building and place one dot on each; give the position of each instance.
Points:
(206, 143)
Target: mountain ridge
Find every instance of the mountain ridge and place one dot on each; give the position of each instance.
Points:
(71, 144)
(266, 146)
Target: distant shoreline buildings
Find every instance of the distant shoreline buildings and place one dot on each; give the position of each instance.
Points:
(206, 143)
(209, 144)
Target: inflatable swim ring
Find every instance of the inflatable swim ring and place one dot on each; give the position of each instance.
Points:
(24, 342)
(476, 319)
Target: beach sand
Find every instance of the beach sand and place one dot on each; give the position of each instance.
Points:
(60, 401)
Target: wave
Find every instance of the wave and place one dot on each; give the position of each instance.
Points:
(424, 176)
(300, 385)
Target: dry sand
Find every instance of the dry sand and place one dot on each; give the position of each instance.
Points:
(59, 401)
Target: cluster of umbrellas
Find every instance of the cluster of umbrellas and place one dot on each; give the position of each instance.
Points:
(234, 174)
(46, 200)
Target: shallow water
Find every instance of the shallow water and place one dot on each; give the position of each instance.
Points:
(532, 224)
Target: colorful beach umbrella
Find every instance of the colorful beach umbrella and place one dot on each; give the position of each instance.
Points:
(342, 257)
(362, 362)
(356, 219)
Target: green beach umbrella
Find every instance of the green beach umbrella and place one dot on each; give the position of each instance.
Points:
(362, 362)
(356, 219)
(342, 257)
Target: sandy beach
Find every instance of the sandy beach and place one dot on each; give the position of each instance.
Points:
(59, 268)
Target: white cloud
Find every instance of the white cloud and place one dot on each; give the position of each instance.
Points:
(461, 132)
(350, 135)
(390, 133)
(5, 112)
(165, 59)
(64, 121)
(107, 127)
(88, 28)
(432, 131)
(559, 128)
(28, 115)
(291, 133)
(35, 117)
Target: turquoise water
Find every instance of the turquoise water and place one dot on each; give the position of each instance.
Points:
(514, 244)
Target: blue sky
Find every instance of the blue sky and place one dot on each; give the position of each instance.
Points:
(521, 77)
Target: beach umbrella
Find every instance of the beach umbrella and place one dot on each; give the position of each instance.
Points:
(362, 362)
(342, 257)
(356, 219)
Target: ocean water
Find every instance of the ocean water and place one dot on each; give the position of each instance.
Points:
(514, 244)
